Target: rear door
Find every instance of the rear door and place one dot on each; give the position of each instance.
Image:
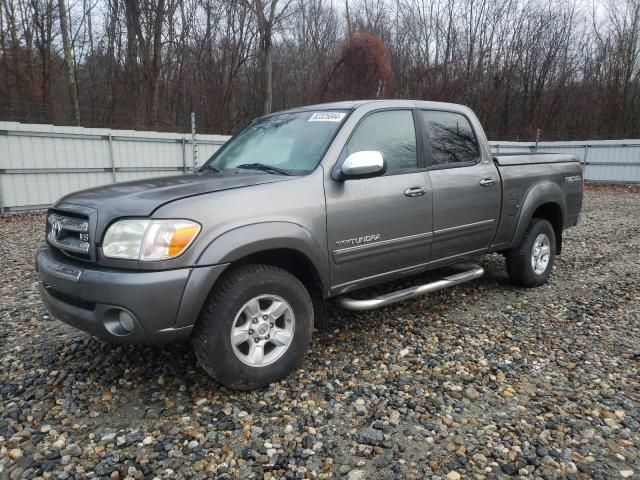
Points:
(465, 183)
(380, 226)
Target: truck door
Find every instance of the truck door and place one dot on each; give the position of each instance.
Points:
(381, 225)
(466, 186)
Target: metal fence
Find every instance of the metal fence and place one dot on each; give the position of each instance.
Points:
(41, 163)
(609, 161)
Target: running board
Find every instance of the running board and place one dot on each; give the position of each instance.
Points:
(476, 271)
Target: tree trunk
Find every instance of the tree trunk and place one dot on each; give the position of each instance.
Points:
(268, 72)
(68, 61)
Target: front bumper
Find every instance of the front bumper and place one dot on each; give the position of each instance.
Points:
(161, 305)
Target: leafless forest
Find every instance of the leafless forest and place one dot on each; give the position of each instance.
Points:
(567, 67)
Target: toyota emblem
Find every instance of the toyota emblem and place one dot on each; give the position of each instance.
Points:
(55, 229)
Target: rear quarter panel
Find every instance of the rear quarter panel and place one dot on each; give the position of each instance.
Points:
(526, 185)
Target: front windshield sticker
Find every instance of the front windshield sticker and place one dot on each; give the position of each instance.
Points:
(326, 117)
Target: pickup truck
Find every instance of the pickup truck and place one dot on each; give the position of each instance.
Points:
(301, 206)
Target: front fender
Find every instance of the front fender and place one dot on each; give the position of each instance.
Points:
(238, 243)
(258, 237)
(540, 194)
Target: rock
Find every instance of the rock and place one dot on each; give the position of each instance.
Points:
(72, 450)
(357, 475)
(542, 451)
(626, 473)
(479, 458)
(344, 469)
(16, 473)
(394, 418)
(471, 393)
(307, 441)
(15, 453)
(509, 468)
(370, 436)
(453, 475)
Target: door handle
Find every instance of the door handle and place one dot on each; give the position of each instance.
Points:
(415, 191)
(487, 182)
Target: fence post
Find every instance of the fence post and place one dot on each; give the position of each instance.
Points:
(184, 156)
(584, 161)
(194, 145)
(111, 158)
(1, 197)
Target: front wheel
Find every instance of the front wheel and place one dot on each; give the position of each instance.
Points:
(531, 262)
(255, 328)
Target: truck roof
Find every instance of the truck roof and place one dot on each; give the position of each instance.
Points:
(386, 103)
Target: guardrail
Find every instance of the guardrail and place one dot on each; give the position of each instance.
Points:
(41, 163)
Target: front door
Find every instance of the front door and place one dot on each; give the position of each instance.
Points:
(380, 226)
(466, 187)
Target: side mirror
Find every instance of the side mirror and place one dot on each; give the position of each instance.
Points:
(364, 164)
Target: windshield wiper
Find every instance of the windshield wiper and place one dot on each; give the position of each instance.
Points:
(264, 168)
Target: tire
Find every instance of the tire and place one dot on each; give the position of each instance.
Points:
(520, 260)
(232, 306)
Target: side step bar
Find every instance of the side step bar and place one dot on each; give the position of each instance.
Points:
(476, 271)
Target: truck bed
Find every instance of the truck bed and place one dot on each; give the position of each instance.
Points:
(524, 158)
(555, 177)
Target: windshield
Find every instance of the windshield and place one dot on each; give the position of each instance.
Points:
(287, 143)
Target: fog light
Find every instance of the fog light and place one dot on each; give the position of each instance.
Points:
(126, 321)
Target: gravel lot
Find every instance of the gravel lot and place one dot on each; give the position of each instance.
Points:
(481, 381)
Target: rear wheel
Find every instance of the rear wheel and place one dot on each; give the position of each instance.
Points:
(255, 328)
(531, 262)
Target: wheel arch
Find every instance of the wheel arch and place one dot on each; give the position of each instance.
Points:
(300, 266)
(552, 212)
(543, 201)
(280, 244)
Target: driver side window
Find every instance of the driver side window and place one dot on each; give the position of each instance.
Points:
(391, 133)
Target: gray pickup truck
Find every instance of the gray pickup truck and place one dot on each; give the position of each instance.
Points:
(299, 207)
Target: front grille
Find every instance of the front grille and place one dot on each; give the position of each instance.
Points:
(69, 234)
(69, 299)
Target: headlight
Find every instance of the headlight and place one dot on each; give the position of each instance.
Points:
(146, 240)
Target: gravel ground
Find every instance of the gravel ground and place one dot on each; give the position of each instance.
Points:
(481, 381)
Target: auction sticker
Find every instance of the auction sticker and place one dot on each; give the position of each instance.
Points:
(326, 117)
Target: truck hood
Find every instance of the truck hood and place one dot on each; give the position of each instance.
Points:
(143, 197)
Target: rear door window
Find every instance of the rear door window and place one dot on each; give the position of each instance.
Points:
(450, 138)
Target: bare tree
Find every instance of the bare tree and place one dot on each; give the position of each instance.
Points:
(522, 66)
(269, 16)
(145, 22)
(68, 62)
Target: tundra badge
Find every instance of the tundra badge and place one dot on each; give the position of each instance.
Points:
(358, 240)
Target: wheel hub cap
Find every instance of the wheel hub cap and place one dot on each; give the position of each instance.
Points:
(540, 254)
(262, 330)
